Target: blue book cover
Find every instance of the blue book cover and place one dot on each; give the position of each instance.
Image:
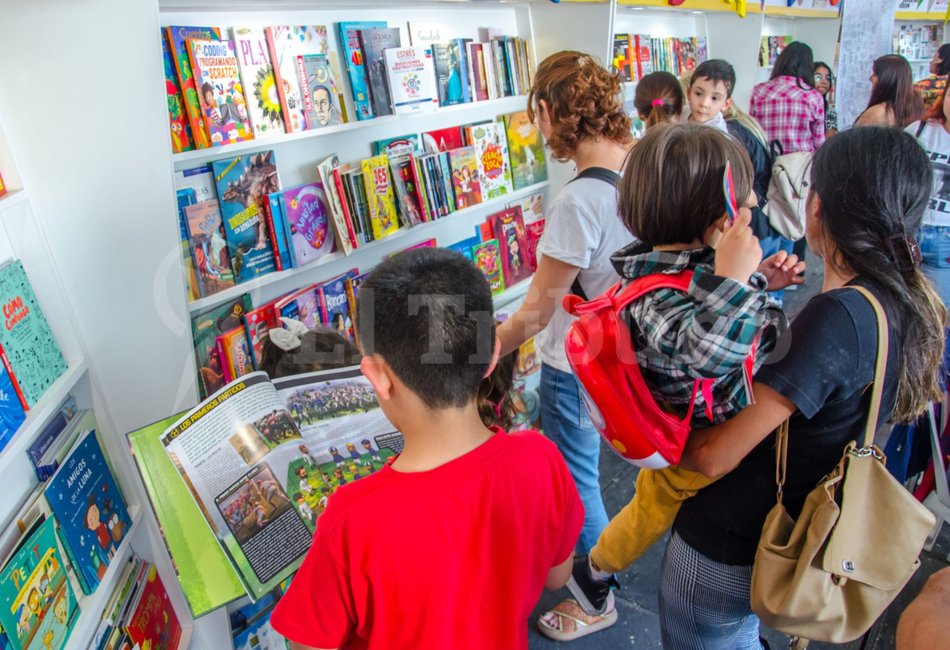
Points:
(11, 411)
(92, 516)
(51, 431)
(186, 196)
(448, 74)
(335, 306)
(400, 144)
(465, 246)
(356, 65)
(27, 342)
(459, 45)
(281, 230)
(243, 182)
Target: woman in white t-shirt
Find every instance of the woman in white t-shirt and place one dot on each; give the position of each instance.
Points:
(577, 105)
(933, 134)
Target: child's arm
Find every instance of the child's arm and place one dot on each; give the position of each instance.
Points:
(559, 575)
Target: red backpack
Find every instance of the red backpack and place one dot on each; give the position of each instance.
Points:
(601, 353)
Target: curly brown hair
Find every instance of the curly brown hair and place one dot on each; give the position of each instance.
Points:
(584, 101)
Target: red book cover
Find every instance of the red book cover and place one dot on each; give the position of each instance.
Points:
(442, 139)
(13, 379)
(347, 216)
(154, 623)
(485, 230)
(508, 227)
(533, 233)
(272, 233)
(258, 322)
(479, 80)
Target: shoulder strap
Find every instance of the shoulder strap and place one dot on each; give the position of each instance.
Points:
(920, 129)
(644, 285)
(600, 174)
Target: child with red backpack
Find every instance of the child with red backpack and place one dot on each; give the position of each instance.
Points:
(697, 345)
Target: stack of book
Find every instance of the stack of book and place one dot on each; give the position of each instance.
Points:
(636, 55)
(771, 48)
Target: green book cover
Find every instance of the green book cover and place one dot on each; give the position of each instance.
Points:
(26, 338)
(204, 571)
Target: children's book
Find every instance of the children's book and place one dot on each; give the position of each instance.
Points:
(411, 79)
(200, 181)
(334, 304)
(177, 40)
(508, 228)
(278, 219)
(89, 508)
(208, 247)
(477, 75)
(220, 93)
(186, 197)
(465, 180)
(276, 234)
(352, 287)
(351, 227)
(308, 214)
(408, 196)
(206, 327)
(526, 150)
(488, 260)
(243, 182)
(380, 196)
(153, 623)
(374, 42)
(356, 65)
(532, 207)
(448, 74)
(465, 247)
(178, 125)
(12, 414)
(286, 43)
(38, 608)
(445, 139)
(251, 628)
(491, 154)
(260, 86)
(398, 145)
(28, 350)
(533, 232)
(234, 349)
(55, 427)
(258, 322)
(335, 200)
(319, 90)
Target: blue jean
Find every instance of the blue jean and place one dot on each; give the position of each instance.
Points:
(705, 604)
(565, 421)
(935, 250)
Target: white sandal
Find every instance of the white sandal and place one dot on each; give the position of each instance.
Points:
(568, 613)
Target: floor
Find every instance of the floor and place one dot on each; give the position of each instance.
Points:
(638, 623)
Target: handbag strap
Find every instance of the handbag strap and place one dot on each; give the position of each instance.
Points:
(877, 392)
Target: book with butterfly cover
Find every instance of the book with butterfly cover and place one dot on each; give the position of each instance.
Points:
(220, 93)
(178, 36)
(260, 85)
(286, 43)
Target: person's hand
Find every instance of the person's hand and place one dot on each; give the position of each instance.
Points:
(782, 270)
(738, 252)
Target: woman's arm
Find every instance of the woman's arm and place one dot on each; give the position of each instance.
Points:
(550, 284)
(717, 450)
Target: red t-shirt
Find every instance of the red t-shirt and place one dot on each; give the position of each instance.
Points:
(455, 557)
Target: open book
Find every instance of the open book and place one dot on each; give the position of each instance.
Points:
(262, 457)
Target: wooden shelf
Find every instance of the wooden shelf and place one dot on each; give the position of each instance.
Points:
(189, 159)
(37, 417)
(271, 278)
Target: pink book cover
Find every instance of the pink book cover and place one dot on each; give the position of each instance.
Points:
(258, 322)
(533, 233)
(508, 228)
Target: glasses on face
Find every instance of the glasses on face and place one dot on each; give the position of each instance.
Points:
(822, 77)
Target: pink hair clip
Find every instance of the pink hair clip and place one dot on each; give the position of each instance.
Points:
(656, 102)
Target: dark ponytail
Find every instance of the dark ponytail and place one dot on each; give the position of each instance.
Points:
(874, 184)
(659, 98)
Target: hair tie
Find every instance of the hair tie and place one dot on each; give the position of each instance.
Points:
(287, 338)
(904, 250)
(657, 102)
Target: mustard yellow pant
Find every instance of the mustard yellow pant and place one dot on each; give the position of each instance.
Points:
(647, 517)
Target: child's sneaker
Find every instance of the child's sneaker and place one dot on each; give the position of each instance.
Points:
(594, 596)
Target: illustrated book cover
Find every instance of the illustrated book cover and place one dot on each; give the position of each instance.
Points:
(334, 304)
(380, 196)
(307, 211)
(465, 178)
(374, 42)
(448, 74)
(178, 126)
(206, 327)
(411, 78)
(153, 623)
(218, 81)
(356, 64)
(508, 228)
(491, 154)
(339, 211)
(177, 40)
(408, 193)
(286, 43)
(445, 139)
(258, 322)
(12, 414)
(319, 90)
(260, 86)
(488, 260)
(525, 149)
(209, 250)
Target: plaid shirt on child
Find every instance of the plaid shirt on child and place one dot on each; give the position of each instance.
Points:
(793, 115)
(704, 334)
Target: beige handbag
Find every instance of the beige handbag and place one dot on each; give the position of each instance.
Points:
(829, 575)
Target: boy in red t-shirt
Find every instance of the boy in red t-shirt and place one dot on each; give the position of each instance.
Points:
(451, 544)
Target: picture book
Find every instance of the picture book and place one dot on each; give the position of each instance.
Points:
(319, 91)
(206, 327)
(352, 287)
(448, 74)
(243, 181)
(487, 259)
(186, 197)
(410, 74)
(442, 139)
(380, 196)
(408, 196)
(258, 322)
(286, 43)
(533, 232)
(356, 65)
(397, 145)
(235, 352)
(289, 443)
(260, 86)
(251, 628)
(37, 606)
(374, 41)
(302, 305)
(525, 149)
(178, 125)
(460, 52)
(465, 177)
(477, 74)
(177, 41)
(334, 305)
(12, 414)
(331, 175)
(208, 247)
(220, 93)
(200, 180)
(308, 214)
(27, 348)
(206, 576)
(465, 247)
(278, 219)
(53, 429)
(275, 233)
(508, 228)
(491, 155)
(153, 623)
(89, 508)
(532, 207)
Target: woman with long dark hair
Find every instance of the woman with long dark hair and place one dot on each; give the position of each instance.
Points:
(825, 84)
(787, 106)
(894, 101)
(862, 216)
(931, 89)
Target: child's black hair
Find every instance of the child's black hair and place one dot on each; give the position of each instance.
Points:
(320, 349)
(716, 70)
(428, 313)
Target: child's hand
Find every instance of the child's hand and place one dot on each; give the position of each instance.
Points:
(738, 252)
(782, 270)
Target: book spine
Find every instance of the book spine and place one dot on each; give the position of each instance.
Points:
(13, 379)
(460, 49)
(437, 184)
(225, 360)
(272, 234)
(269, 36)
(346, 232)
(446, 171)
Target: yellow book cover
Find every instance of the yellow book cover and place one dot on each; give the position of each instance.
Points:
(380, 196)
